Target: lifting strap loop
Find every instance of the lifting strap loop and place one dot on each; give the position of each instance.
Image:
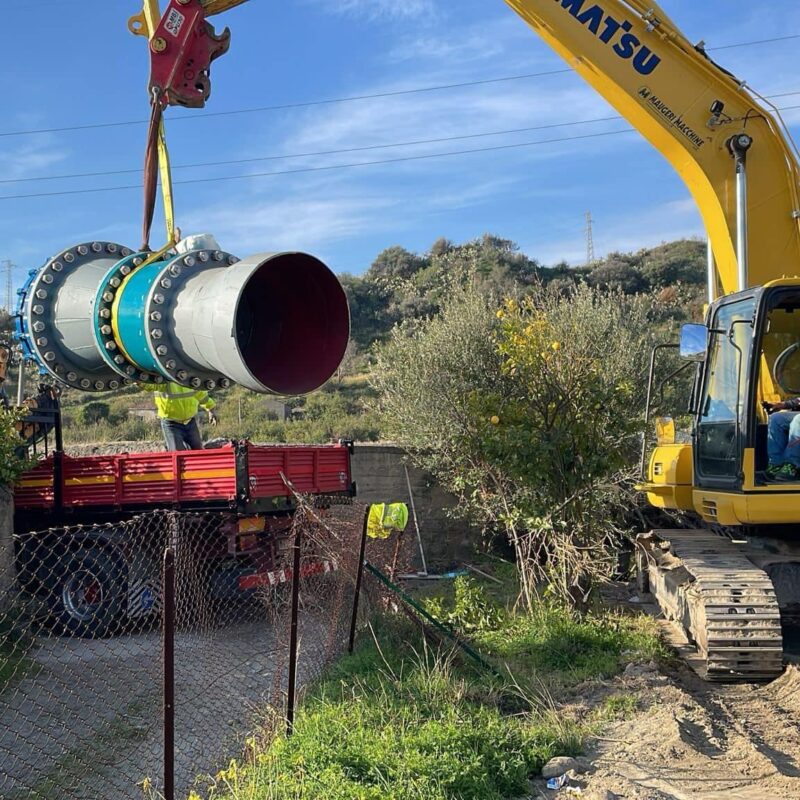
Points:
(151, 172)
(166, 184)
(156, 160)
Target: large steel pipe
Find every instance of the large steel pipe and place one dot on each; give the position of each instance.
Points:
(98, 315)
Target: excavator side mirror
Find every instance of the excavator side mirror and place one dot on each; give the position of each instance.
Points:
(694, 342)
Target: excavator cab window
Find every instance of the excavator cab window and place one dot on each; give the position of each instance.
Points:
(722, 401)
(778, 361)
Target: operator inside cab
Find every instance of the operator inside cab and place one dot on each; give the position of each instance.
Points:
(779, 392)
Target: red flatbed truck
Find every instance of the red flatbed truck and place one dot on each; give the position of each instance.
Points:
(80, 550)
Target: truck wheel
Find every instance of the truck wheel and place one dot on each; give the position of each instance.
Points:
(87, 598)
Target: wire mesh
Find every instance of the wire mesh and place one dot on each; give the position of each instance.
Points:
(81, 658)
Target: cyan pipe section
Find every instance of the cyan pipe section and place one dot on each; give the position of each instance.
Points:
(128, 316)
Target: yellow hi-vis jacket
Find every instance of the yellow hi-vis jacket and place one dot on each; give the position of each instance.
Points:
(386, 517)
(177, 403)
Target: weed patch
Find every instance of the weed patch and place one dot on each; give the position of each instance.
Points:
(399, 719)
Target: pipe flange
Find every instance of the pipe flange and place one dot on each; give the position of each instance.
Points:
(160, 304)
(103, 318)
(40, 304)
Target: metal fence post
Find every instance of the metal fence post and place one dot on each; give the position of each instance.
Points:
(359, 576)
(168, 591)
(292, 690)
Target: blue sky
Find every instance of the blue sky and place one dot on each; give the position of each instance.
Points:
(75, 63)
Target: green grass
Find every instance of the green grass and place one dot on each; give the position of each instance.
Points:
(619, 706)
(567, 648)
(399, 720)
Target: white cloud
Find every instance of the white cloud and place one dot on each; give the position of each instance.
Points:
(296, 219)
(501, 44)
(376, 9)
(30, 157)
(477, 109)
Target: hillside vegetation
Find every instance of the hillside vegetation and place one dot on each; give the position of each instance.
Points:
(400, 287)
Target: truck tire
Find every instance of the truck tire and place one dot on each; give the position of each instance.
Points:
(87, 596)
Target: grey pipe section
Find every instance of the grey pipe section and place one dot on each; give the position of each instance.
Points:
(274, 322)
(75, 301)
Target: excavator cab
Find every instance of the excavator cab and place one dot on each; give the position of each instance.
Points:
(748, 354)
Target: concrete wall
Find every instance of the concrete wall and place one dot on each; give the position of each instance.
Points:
(6, 544)
(380, 478)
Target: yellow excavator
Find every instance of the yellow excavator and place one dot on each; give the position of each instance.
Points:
(728, 581)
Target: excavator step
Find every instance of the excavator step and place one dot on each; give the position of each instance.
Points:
(725, 604)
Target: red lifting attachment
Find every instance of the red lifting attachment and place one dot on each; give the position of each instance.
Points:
(181, 51)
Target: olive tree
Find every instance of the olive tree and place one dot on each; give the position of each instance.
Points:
(529, 411)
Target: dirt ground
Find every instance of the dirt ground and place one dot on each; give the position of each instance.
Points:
(691, 740)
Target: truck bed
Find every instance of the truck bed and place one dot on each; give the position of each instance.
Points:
(240, 476)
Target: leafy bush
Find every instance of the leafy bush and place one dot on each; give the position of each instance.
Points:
(94, 412)
(530, 415)
(13, 461)
(470, 610)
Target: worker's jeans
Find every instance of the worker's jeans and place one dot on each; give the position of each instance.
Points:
(783, 439)
(181, 436)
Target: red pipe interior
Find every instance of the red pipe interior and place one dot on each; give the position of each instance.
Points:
(293, 323)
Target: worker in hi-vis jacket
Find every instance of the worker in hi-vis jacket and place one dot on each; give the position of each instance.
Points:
(177, 408)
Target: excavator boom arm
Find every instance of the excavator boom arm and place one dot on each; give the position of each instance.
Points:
(690, 110)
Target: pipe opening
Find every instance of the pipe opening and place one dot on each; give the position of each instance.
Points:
(292, 323)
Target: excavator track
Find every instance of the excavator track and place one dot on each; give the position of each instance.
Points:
(725, 604)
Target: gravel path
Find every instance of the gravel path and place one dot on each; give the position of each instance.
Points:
(85, 723)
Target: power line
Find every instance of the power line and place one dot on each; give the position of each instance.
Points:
(351, 98)
(334, 167)
(341, 151)
(288, 106)
(755, 42)
(327, 168)
(316, 153)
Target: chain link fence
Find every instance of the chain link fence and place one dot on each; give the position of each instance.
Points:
(82, 642)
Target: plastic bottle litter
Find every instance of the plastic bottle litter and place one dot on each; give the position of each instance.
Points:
(557, 783)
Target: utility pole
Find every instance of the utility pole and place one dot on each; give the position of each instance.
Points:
(9, 267)
(590, 254)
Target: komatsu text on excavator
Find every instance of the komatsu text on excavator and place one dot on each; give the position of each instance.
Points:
(730, 581)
